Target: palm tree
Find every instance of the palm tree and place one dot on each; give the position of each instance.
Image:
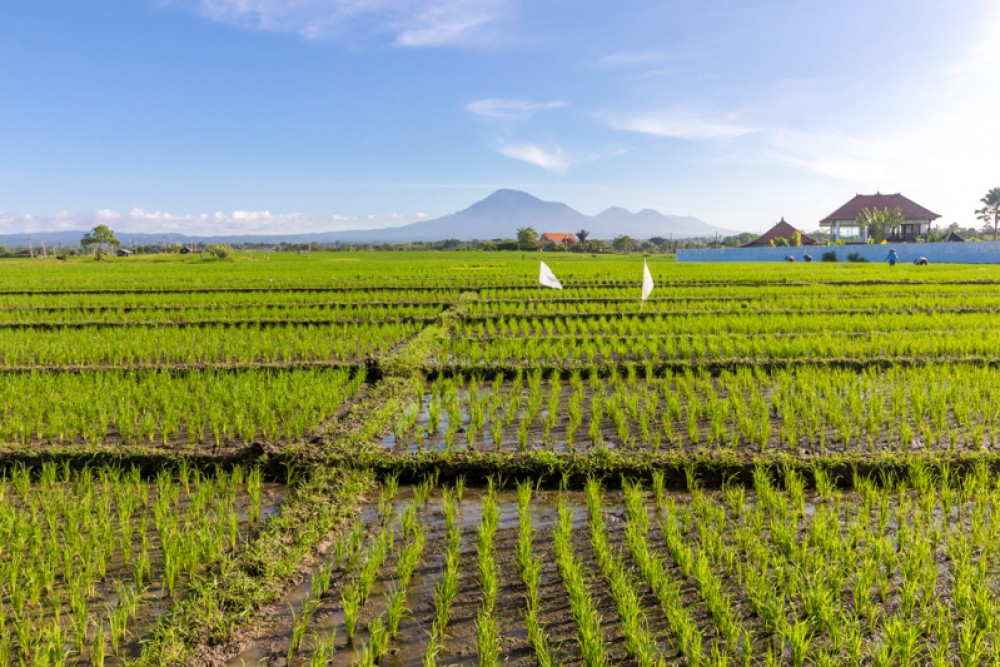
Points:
(990, 212)
(582, 235)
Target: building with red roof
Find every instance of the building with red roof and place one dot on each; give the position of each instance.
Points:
(843, 223)
(562, 239)
(782, 230)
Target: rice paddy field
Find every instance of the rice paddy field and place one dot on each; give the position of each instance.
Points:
(427, 459)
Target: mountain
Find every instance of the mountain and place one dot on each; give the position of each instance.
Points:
(504, 211)
(498, 216)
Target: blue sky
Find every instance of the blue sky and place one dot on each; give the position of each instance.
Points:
(213, 116)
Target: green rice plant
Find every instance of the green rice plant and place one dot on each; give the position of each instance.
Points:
(350, 600)
(323, 648)
(395, 608)
(97, 644)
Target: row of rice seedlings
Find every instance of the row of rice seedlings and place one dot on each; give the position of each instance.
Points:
(201, 314)
(385, 627)
(72, 533)
(750, 296)
(367, 300)
(529, 566)
(509, 318)
(639, 640)
(446, 587)
(143, 346)
(714, 323)
(487, 625)
(584, 610)
(160, 406)
(651, 346)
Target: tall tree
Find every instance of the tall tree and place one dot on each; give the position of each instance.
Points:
(527, 238)
(97, 238)
(623, 243)
(990, 212)
(582, 235)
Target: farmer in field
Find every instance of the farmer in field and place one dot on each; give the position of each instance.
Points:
(891, 257)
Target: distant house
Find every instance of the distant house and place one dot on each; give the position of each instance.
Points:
(843, 225)
(562, 239)
(124, 252)
(782, 230)
(954, 238)
(188, 250)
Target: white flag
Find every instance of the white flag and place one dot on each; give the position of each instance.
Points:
(647, 281)
(547, 278)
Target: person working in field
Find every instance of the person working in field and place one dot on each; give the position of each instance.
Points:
(891, 257)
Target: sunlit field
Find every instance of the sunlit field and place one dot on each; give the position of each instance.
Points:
(430, 459)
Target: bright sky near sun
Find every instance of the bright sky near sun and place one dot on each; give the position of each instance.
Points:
(266, 116)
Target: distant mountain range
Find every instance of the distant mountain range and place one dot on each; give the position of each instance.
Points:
(498, 216)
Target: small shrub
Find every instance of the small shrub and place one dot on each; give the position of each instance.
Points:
(856, 257)
(830, 256)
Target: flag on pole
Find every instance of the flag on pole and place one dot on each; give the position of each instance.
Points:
(547, 278)
(647, 281)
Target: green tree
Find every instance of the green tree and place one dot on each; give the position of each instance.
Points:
(582, 235)
(880, 223)
(97, 238)
(623, 243)
(527, 238)
(990, 212)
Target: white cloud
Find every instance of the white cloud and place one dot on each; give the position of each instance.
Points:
(551, 159)
(241, 221)
(630, 59)
(447, 22)
(414, 23)
(107, 214)
(506, 109)
(864, 162)
(677, 124)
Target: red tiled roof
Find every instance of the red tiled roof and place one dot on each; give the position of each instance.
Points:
(910, 209)
(782, 230)
(559, 238)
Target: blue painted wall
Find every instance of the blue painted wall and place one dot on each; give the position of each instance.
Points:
(970, 252)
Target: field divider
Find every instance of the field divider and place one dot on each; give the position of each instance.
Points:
(181, 368)
(660, 369)
(714, 470)
(206, 323)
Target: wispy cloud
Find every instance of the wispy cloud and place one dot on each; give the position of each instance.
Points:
(677, 124)
(510, 110)
(552, 159)
(412, 23)
(846, 158)
(630, 59)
